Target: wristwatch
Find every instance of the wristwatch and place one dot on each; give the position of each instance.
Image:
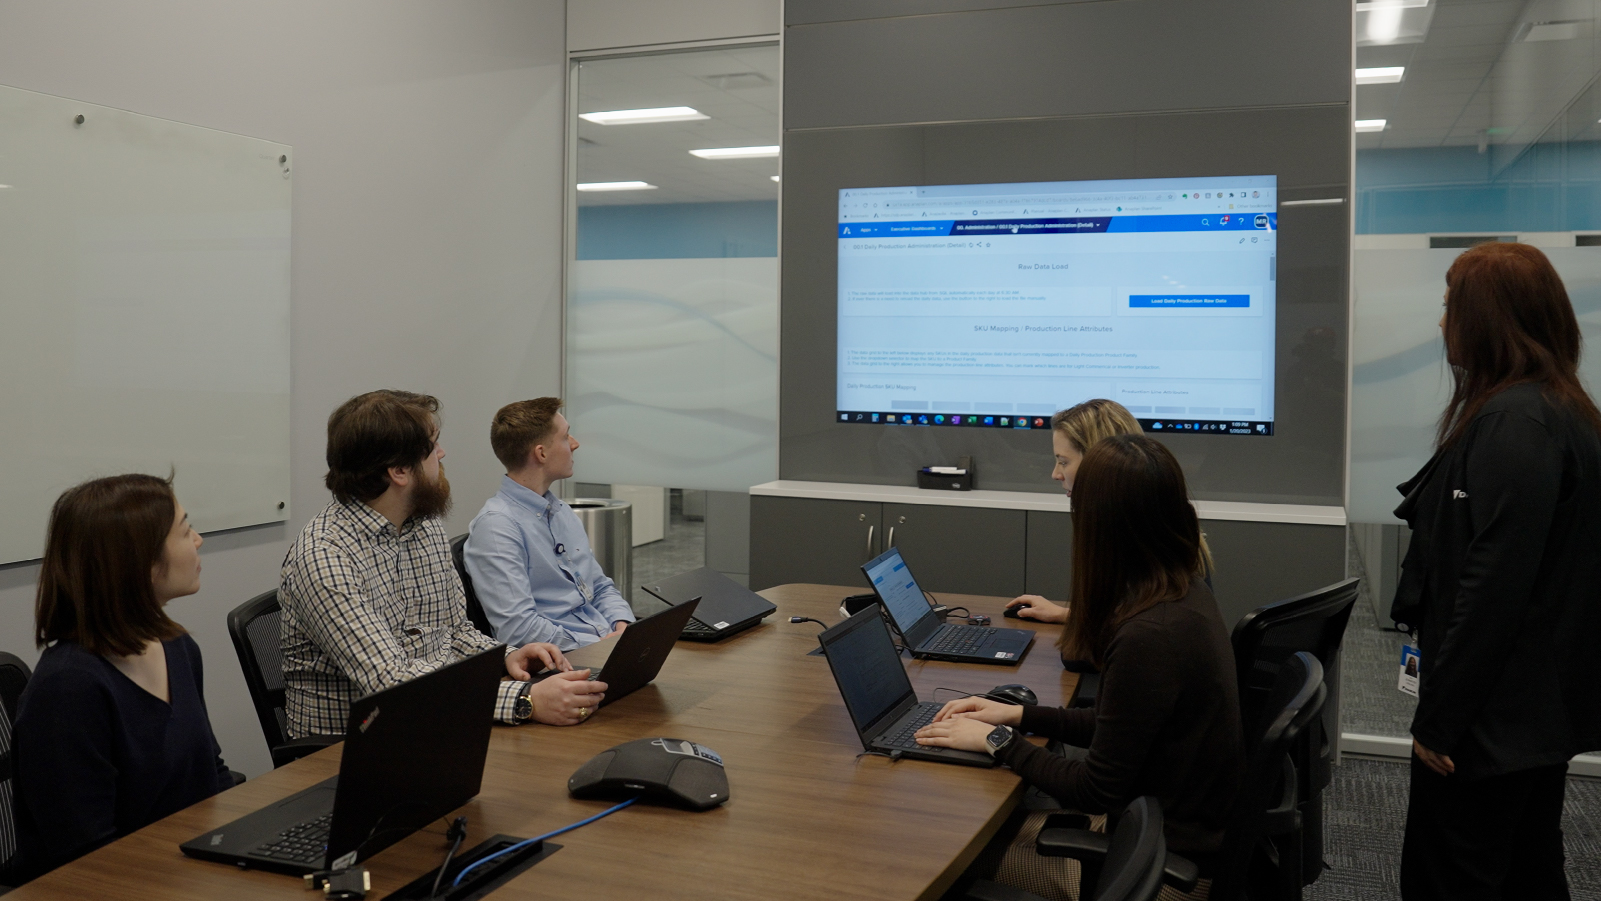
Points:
(524, 711)
(999, 738)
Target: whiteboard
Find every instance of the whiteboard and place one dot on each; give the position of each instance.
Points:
(144, 313)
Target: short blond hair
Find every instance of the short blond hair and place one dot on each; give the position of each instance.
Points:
(1095, 420)
(1086, 423)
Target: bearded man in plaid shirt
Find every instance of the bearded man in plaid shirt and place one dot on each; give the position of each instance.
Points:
(369, 594)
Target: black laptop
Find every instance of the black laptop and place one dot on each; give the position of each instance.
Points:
(878, 694)
(726, 607)
(412, 754)
(640, 651)
(923, 632)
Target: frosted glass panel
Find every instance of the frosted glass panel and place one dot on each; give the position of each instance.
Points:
(144, 312)
(673, 371)
(1399, 382)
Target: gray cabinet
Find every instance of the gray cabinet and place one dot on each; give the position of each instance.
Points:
(795, 539)
(1004, 553)
(951, 549)
(964, 550)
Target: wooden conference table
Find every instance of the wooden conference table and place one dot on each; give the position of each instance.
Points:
(805, 818)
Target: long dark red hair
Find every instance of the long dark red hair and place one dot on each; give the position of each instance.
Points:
(1508, 321)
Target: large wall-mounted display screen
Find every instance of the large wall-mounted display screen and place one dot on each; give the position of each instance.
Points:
(997, 305)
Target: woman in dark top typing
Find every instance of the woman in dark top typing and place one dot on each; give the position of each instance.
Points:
(1501, 581)
(111, 732)
(1167, 722)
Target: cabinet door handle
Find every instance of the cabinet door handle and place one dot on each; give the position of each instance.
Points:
(891, 538)
(870, 554)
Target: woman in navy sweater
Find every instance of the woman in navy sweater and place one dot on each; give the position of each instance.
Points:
(111, 732)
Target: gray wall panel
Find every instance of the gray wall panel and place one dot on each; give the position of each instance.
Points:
(1262, 562)
(1306, 147)
(811, 12)
(1066, 60)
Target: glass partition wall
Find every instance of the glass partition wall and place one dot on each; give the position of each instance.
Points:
(672, 292)
(1475, 122)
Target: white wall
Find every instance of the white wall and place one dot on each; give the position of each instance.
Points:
(427, 224)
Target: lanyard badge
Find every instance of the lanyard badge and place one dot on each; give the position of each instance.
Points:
(1411, 663)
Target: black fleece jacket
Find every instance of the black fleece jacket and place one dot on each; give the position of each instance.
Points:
(1503, 582)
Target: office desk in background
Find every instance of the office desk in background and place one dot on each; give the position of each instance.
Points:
(806, 818)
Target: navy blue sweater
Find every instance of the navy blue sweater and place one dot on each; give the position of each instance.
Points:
(98, 757)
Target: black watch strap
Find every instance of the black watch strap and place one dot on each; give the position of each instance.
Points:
(524, 710)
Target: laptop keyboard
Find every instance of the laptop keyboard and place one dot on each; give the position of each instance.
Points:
(902, 737)
(957, 640)
(697, 627)
(305, 843)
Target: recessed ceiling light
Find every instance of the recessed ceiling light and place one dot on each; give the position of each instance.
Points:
(1365, 125)
(617, 186)
(1380, 75)
(640, 116)
(773, 177)
(736, 153)
(4, 187)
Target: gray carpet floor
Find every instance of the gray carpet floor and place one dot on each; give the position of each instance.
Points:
(1365, 817)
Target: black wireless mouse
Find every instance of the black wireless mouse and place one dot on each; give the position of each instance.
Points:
(1012, 693)
(1013, 612)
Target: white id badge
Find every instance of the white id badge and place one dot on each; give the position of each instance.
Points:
(1410, 661)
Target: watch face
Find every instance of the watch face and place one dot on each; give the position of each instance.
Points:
(998, 738)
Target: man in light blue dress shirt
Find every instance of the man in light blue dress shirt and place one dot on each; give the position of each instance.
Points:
(527, 553)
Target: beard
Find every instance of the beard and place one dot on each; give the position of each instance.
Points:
(431, 499)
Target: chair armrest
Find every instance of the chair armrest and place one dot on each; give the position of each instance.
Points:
(984, 890)
(1181, 873)
(1284, 818)
(1079, 844)
(238, 777)
(1086, 691)
(300, 747)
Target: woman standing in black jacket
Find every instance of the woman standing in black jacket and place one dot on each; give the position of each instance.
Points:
(1503, 585)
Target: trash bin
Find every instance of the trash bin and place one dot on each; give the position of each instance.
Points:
(610, 526)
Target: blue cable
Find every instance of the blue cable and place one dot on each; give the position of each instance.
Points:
(539, 838)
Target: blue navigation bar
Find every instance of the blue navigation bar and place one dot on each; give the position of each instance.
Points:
(1189, 301)
(1083, 225)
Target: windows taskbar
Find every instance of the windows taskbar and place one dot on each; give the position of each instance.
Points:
(1025, 421)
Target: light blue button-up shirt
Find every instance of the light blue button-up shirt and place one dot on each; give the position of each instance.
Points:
(535, 575)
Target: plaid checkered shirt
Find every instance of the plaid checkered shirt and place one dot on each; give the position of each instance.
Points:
(367, 606)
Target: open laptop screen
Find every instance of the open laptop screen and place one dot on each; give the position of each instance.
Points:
(898, 590)
(866, 667)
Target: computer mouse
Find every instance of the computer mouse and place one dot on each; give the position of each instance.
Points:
(1013, 612)
(1012, 693)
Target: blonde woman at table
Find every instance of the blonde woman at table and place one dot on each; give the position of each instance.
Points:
(1074, 431)
(1167, 722)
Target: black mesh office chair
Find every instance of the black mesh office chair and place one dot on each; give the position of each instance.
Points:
(1263, 640)
(475, 610)
(1251, 864)
(253, 626)
(1129, 864)
(14, 675)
